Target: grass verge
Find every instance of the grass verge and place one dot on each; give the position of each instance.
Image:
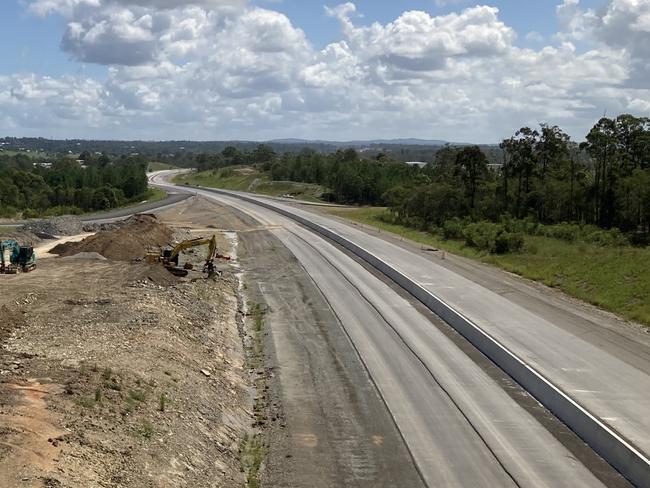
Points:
(252, 449)
(156, 166)
(247, 178)
(616, 279)
(154, 195)
(251, 454)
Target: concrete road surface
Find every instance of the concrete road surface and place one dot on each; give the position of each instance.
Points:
(460, 427)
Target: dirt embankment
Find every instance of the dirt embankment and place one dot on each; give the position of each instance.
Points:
(114, 374)
(125, 242)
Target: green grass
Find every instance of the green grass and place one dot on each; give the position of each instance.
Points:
(155, 194)
(252, 453)
(616, 279)
(301, 191)
(238, 179)
(246, 178)
(156, 166)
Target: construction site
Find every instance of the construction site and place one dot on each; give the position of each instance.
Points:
(230, 340)
(124, 357)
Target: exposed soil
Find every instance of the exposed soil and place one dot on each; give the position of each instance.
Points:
(123, 243)
(118, 374)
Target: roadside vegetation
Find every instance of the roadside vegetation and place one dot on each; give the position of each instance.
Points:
(585, 262)
(31, 187)
(252, 448)
(157, 166)
(250, 179)
(574, 216)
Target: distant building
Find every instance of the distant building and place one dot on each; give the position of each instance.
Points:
(420, 164)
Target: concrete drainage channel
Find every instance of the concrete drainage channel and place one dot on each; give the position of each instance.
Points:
(602, 439)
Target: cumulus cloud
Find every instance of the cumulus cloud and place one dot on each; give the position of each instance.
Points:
(30, 102)
(117, 37)
(623, 25)
(226, 69)
(417, 41)
(67, 7)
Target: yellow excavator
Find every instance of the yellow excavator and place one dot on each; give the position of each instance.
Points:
(169, 256)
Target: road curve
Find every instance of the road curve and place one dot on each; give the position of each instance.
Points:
(612, 389)
(460, 426)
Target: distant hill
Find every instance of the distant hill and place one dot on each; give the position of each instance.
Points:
(372, 142)
(403, 149)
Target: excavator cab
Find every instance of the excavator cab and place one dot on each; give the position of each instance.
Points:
(20, 257)
(26, 258)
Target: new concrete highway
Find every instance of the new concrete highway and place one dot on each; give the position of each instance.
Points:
(461, 428)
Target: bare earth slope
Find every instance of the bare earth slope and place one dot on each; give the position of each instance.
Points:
(114, 375)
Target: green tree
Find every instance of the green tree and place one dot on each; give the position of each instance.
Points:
(471, 165)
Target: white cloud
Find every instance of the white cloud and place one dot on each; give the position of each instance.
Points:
(534, 36)
(67, 7)
(223, 69)
(623, 25)
(40, 103)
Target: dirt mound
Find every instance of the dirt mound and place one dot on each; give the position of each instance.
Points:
(131, 241)
(20, 235)
(154, 273)
(87, 255)
(66, 225)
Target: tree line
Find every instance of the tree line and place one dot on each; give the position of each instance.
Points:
(66, 185)
(538, 174)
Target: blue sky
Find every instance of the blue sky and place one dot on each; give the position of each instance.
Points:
(524, 15)
(205, 69)
(32, 43)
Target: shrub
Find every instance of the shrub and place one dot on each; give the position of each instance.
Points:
(493, 238)
(528, 226)
(565, 232)
(30, 213)
(607, 238)
(509, 242)
(482, 235)
(453, 229)
(62, 210)
(8, 212)
(387, 217)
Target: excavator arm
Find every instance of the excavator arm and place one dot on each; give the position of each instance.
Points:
(195, 243)
(170, 260)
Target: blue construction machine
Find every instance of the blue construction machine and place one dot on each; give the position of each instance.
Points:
(21, 258)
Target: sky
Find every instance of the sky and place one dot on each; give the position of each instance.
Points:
(369, 69)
